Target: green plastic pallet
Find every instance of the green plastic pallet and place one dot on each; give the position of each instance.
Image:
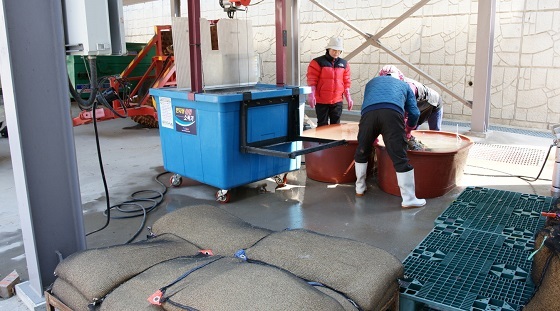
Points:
(470, 270)
(496, 211)
(476, 256)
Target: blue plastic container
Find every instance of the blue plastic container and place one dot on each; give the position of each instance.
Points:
(201, 138)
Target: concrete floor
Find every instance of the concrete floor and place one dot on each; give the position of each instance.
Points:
(132, 159)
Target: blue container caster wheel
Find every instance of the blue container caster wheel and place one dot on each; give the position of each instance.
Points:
(175, 180)
(223, 196)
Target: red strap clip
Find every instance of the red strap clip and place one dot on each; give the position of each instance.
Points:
(207, 252)
(551, 215)
(156, 297)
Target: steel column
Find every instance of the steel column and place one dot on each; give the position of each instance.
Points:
(194, 46)
(293, 52)
(280, 17)
(483, 66)
(42, 147)
(175, 8)
(555, 189)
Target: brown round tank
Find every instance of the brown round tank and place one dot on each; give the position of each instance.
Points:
(436, 169)
(333, 165)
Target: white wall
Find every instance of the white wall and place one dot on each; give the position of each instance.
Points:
(140, 19)
(440, 39)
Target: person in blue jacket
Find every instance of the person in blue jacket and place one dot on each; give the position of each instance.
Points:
(386, 100)
(428, 101)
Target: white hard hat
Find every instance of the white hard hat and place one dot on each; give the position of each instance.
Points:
(335, 44)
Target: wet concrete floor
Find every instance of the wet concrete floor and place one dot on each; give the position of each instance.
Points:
(132, 159)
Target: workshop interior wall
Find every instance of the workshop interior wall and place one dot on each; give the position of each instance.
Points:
(440, 39)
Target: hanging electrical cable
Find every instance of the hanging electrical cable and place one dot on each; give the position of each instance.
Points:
(139, 198)
(87, 104)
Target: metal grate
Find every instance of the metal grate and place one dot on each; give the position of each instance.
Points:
(508, 154)
(506, 129)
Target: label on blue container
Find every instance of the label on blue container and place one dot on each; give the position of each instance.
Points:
(185, 120)
(166, 112)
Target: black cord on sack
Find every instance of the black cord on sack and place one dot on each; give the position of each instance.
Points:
(543, 274)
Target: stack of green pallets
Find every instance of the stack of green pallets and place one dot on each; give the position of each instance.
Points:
(476, 256)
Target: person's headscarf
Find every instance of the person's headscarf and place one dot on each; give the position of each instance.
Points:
(390, 70)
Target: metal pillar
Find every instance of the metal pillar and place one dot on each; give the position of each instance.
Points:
(555, 189)
(483, 67)
(281, 38)
(32, 57)
(293, 52)
(194, 47)
(175, 8)
(116, 22)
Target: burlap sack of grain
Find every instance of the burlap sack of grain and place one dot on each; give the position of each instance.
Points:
(545, 272)
(366, 274)
(224, 283)
(210, 227)
(69, 295)
(134, 293)
(346, 304)
(95, 272)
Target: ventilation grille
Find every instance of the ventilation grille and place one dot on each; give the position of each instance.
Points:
(505, 129)
(508, 154)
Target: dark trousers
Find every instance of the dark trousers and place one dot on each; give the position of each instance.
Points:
(326, 112)
(430, 113)
(390, 124)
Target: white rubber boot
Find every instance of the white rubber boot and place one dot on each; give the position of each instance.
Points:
(361, 173)
(408, 190)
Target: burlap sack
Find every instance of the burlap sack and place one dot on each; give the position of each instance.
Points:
(364, 273)
(231, 284)
(224, 284)
(344, 302)
(134, 293)
(95, 272)
(545, 272)
(210, 227)
(69, 295)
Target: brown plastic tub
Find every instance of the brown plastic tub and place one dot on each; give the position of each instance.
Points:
(437, 170)
(333, 165)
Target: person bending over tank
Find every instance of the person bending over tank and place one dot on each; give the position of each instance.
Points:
(386, 99)
(429, 101)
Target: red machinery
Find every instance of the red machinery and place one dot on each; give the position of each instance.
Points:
(241, 2)
(138, 105)
(233, 6)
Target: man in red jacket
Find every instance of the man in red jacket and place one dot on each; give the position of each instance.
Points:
(329, 79)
